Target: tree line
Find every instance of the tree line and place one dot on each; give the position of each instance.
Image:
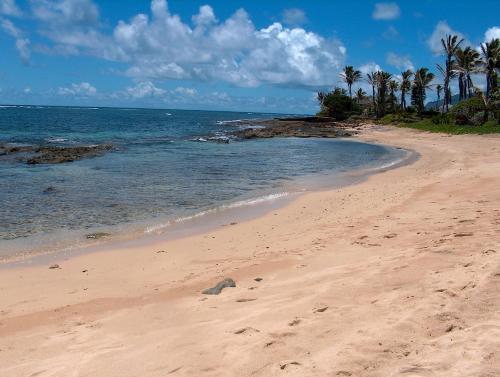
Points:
(460, 64)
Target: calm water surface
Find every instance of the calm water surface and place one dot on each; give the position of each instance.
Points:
(167, 165)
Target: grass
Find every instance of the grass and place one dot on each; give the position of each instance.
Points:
(490, 127)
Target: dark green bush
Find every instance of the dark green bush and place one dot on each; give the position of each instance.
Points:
(340, 106)
(465, 110)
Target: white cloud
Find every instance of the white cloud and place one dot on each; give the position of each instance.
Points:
(386, 11)
(294, 16)
(401, 62)
(10, 28)
(369, 68)
(186, 91)
(9, 8)
(83, 89)
(441, 30)
(144, 89)
(161, 46)
(492, 33)
(23, 49)
(22, 44)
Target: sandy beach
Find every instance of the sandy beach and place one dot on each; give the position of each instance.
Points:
(396, 276)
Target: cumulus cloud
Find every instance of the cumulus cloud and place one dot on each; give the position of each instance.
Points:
(401, 62)
(369, 68)
(73, 28)
(83, 89)
(492, 33)
(144, 89)
(9, 8)
(160, 45)
(386, 11)
(294, 16)
(441, 30)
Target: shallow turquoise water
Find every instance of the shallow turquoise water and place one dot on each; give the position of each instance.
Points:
(162, 167)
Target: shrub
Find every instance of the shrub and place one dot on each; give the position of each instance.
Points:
(465, 110)
(340, 106)
(443, 119)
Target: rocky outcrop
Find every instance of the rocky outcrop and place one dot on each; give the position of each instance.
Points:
(34, 155)
(296, 127)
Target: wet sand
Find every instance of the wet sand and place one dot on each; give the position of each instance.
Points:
(397, 275)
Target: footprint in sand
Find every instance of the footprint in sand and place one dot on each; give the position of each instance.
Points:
(288, 363)
(246, 330)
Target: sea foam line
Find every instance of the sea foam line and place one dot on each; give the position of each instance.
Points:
(238, 204)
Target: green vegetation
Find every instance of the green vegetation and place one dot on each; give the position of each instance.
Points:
(490, 127)
(337, 104)
(476, 112)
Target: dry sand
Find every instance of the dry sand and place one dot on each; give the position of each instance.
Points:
(396, 276)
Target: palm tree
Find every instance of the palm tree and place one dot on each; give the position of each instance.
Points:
(467, 61)
(490, 52)
(439, 89)
(421, 82)
(405, 86)
(450, 47)
(350, 76)
(382, 80)
(372, 80)
(393, 88)
(360, 95)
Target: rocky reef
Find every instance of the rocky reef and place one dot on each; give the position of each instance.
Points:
(33, 155)
(296, 127)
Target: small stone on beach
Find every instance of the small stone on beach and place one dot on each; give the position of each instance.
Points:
(228, 282)
(54, 266)
(258, 279)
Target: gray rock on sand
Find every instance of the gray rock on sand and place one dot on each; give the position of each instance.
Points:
(228, 282)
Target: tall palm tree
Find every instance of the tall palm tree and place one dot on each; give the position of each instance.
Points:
(360, 95)
(490, 56)
(421, 82)
(450, 47)
(467, 61)
(405, 86)
(393, 88)
(439, 89)
(382, 80)
(350, 76)
(372, 80)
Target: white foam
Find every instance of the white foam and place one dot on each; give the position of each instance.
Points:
(238, 204)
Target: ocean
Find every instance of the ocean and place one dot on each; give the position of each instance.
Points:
(167, 167)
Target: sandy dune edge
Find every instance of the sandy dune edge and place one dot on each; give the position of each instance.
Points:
(396, 276)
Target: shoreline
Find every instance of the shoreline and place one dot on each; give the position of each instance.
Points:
(395, 275)
(167, 229)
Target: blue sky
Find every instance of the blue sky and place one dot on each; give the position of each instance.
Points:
(225, 55)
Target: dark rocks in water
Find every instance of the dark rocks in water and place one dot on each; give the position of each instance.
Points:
(97, 235)
(226, 283)
(49, 189)
(58, 155)
(33, 154)
(296, 127)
